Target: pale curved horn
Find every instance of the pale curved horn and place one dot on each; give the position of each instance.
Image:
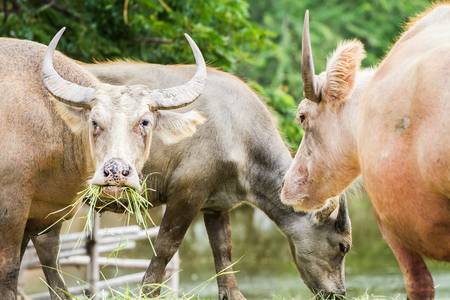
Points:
(65, 91)
(182, 95)
(308, 74)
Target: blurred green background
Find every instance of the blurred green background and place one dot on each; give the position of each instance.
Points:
(260, 41)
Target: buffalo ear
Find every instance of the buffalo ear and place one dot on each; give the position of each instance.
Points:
(341, 70)
(172, 127)
(74, 117)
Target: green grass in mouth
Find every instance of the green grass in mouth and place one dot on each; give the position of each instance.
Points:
(136, 204)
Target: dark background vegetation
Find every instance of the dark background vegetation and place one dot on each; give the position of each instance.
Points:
(260, 41)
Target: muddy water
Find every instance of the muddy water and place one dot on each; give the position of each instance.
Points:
(264, 263)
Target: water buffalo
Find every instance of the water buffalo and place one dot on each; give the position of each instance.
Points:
(58, 128)
(236, 157)
(392, 126)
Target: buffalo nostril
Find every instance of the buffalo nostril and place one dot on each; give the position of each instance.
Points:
(126, 172)
(106, 173)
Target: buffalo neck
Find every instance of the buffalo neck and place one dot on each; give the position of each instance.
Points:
(280, 214)
(266, 189)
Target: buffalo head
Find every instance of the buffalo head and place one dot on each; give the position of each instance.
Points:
(319, 243)
(324, 163)
(118, 121)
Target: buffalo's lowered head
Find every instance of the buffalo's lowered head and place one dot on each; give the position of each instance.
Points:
(118, 121)
(325, 161)
(319, 243)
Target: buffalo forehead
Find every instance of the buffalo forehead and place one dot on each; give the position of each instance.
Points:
(114, 101)
(307, 106)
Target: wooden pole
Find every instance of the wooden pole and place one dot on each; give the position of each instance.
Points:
(93, 270)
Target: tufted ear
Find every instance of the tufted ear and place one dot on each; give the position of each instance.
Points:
(342, 67)
(172, 127)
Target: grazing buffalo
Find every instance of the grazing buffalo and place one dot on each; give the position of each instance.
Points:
(59, 126)
(236, 157)
(392, 126)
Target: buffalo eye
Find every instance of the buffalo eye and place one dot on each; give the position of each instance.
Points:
(144, 123)
(96, 127)
(301, 118)
(344, 248)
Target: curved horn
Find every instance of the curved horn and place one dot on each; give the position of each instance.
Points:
(323, 214)
(65, 91)
(343, 223)
(310, 89)
(185, 94)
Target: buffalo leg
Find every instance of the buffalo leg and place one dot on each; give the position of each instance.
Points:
(219, 234)
(418, 281)
(13, 218)
(176, 220)
(47, 247)
(23, 248)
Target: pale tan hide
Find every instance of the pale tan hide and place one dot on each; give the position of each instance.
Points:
(395, 131)
(50, 146)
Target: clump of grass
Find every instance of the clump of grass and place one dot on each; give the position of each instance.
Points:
(90, 196)
(136, 204)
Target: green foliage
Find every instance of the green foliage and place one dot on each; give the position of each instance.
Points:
(148, 30)
(375, 23)
(257, 40)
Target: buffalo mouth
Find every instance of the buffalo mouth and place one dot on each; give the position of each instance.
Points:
(112, 192)
(112, 198)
